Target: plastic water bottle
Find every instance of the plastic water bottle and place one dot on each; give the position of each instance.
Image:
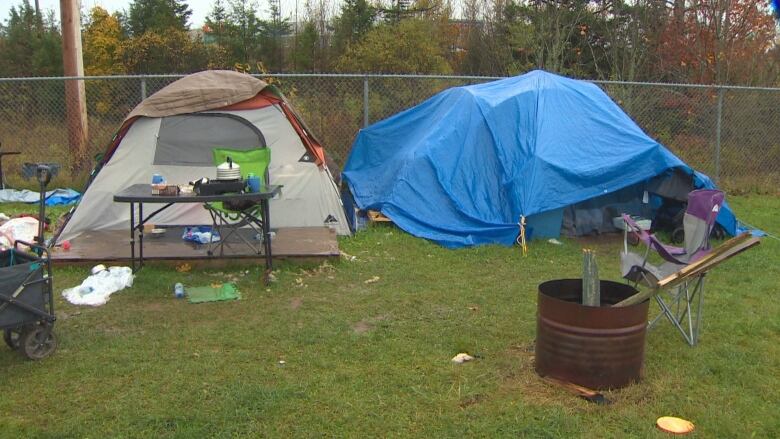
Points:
(178, 290)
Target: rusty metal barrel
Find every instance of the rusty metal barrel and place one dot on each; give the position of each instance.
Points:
(598, 347)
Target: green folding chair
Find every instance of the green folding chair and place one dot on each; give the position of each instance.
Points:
(228, 221)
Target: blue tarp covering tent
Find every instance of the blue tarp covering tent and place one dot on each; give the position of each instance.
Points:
(464, 166)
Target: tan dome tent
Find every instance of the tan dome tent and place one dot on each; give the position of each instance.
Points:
(173, 133)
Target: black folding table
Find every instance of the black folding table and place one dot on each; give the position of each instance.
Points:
(142, 193)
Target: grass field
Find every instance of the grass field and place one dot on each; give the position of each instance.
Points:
(367, 342)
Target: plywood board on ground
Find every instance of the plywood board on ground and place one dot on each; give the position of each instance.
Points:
(114, 245)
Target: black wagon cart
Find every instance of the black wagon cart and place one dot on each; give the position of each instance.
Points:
(26, 299)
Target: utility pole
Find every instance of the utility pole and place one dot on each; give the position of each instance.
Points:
(75, 95)
(38, 18)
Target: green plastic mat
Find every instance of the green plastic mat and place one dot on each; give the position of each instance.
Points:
(213, 293)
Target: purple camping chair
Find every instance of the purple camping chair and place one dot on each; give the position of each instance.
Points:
(698, 223)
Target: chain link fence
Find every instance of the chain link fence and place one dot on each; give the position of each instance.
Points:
(729, 133)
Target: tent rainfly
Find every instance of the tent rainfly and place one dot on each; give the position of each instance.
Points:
(465, 166)
(173, 133)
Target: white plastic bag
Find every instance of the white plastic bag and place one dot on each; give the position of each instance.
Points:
(18, 229)
(96, 289)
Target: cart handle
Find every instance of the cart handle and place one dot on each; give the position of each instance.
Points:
(38, 248)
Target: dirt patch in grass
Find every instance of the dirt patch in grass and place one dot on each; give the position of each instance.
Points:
(362, 327)
(472, 400)
(64, 315)
(296, 303)
(367, 324)
(519, 377)
(154, 306)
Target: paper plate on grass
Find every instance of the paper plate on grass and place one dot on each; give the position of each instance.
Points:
(671, 424)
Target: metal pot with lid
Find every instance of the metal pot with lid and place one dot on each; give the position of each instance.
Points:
(229, 170)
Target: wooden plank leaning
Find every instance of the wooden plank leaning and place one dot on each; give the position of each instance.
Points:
(723, 252)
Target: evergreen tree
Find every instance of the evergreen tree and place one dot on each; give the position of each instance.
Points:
(30, 45)
(157, 15)
(237, 29)
(356, 19)
(271, 39)
(307, 48)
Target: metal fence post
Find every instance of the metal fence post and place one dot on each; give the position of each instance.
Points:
(718, 134)
(365, 101)
(143, 88)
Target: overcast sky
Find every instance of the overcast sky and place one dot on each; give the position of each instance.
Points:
(200, 8)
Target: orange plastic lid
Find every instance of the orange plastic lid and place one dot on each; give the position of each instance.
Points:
(670, 424)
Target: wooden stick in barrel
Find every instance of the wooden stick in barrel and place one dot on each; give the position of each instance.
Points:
(591, 286)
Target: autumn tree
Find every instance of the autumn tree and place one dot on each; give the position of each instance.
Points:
(716, 41)
(102, 40)
(411, 46)
(170, 52)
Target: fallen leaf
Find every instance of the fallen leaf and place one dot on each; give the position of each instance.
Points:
(184, 268)
(372, 280)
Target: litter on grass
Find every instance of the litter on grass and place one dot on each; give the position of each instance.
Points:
(184, 268)
(462, 358)
(97, 288)
(213, 293)
(671, 424)
(200, 235)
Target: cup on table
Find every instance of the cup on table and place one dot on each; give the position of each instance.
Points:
(253, 183)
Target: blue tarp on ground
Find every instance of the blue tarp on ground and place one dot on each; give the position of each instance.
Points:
(53, 197)
(462, 167)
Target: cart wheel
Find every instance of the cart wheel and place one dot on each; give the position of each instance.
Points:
(11, 337)
(35, 344)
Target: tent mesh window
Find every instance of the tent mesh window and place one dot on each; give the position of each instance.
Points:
(189, 139)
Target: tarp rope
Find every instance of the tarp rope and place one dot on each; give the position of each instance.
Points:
(521, 236)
